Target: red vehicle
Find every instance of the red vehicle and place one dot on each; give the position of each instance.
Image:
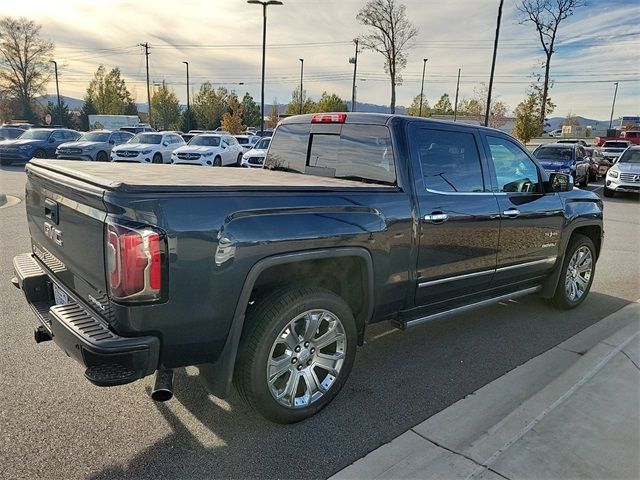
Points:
(632, 136)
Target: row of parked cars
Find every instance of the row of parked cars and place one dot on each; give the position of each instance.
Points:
(206, 148)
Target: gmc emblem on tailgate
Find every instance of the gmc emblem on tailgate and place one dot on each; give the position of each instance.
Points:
(53, 233)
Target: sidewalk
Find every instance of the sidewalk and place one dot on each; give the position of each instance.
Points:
(572, 412)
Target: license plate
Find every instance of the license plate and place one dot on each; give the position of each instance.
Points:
(60, 297)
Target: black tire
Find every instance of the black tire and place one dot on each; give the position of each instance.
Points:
(561, 298)
(593, 177)
(265, 321)
(157, 158)
(102, 157)
(217, 162)
(39, 153)
(585, 180)
(239, 160)
(608, 192)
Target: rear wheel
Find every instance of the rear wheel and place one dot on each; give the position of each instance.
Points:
(296, 353)
(157, 158)
(577, 273)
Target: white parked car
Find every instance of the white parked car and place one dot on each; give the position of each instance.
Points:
(209, 150)
(254, 158)
(247, 141)
(148, 148)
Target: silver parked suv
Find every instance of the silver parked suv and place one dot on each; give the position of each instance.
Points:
(93, 146)
(624, 176)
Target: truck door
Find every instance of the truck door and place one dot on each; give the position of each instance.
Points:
(531, 221)
(459, 220)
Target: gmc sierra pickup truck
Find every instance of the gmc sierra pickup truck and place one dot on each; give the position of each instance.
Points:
(267, 278)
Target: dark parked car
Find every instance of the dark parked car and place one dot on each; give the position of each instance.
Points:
(270, 277)
(565, 158)
(35, 143)
(9, 133)
(598, 165)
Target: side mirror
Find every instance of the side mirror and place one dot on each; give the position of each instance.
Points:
(112, 141)
(166, 144)
(560, 182)
(52, 140)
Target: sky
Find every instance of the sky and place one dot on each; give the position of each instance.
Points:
(222, 39)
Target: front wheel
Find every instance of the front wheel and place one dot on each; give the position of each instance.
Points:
(608, 192)
(296, 353)
(239, 160)
(157, 158)
(578, 269)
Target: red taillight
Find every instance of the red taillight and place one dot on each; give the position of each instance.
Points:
(329, 118)
(134, 263)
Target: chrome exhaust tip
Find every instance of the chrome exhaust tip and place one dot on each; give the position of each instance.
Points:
(163, 386)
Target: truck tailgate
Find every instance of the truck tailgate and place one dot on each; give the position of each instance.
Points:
(66, 222)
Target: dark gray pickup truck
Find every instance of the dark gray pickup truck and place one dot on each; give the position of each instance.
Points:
(268, 278)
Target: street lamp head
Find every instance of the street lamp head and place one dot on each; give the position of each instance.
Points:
(274, 2)
(260, 2)
(301, 59)
(186, 63)
(425, 60)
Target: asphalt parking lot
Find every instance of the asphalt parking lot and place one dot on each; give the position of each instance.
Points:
(54, 424)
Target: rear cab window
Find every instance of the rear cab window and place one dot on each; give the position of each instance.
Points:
(349, 151)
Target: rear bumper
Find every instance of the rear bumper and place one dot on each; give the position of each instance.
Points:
(108, 358)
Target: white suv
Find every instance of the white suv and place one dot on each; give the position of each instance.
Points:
(209, 150)
(254, 158)
(148, 148)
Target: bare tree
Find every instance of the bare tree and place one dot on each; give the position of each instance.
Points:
(24, 70)
(547, 15)
(390, 34)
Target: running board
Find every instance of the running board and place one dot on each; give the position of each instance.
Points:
(403, 325)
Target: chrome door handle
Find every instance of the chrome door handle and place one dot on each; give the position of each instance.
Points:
(436, 217)
(511, 213)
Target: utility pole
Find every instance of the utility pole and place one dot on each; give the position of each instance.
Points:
(615, 93)
(455, 108)
(424, 67)
(493, 65)
(354, 60)
(146, 54)
(301, 96)
(264, 4)
(188, 105)
(55, 65)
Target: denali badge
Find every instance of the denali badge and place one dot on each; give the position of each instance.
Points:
(53, 233)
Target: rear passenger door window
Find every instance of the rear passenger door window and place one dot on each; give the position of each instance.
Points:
(450, 161)
(515, 171)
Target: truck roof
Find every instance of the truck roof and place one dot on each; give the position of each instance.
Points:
(131, 177)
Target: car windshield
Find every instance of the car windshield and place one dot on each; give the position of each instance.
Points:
(205, 141)
(630, 156)
(557, 154)
(147, 138)
(35, 135)
(615, 145)
(95, 137)
(242, 140)
(262, 144)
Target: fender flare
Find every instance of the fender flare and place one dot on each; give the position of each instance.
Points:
(218, 376)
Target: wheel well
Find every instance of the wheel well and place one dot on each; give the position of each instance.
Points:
(594, 232)
(345, 276)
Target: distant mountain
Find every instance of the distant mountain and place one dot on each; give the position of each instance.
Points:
(555, 122)
(72, 103)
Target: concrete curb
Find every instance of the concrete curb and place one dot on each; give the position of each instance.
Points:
(481, 434)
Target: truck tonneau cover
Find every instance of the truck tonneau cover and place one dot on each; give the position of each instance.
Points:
(129, 177)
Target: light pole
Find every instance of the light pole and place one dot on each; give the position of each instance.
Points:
(264, 45)
(55, 65)
(455, 108)
(188, 105)
(301, 72)
(424, 67)
(613, 105)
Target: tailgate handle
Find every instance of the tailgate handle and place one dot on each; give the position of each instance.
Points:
(51, 210)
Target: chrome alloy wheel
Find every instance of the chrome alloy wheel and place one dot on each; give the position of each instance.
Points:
(578, 273)
(306, 358)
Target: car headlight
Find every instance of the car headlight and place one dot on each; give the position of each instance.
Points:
(245, 156)
(208, 154)
(613, 173)
(88, 149)
(146, 152)
(565, 170)
(24, 147)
